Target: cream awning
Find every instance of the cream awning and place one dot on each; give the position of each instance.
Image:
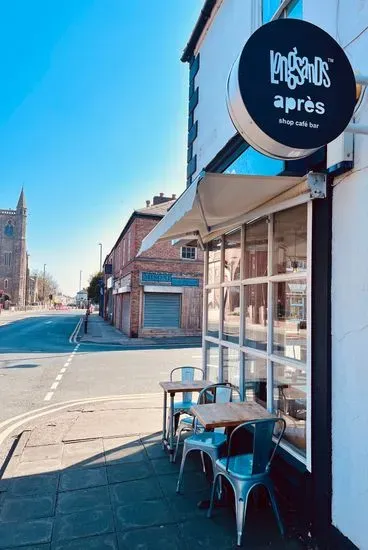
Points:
(218, 201)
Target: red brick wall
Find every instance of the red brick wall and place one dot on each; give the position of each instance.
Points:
(161, 257)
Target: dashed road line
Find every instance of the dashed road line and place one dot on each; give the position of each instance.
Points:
(48, 396)
(67, 364)
(58, 378)
(54, 385)
(62, 370)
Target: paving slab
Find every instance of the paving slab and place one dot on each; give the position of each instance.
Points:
(162, 537)
(28, 532)
(124, 450)
(33, 547)
(44, 484)
(99, 542)
(142, 514)
(193, 482)
(83, 499)
(83, 524)
(117, 473)
(17, 508)
(42, 452)
(37, 467)
(86, 453)
(52, 432)
(73, 479)
(135, 491)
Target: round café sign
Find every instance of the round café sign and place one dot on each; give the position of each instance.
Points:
(291, 90)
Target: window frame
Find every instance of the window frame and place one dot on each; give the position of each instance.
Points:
(188, 247)
(10, 256)
(271, 358)
(281, 12)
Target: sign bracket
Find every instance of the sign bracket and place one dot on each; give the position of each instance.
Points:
(317, 185)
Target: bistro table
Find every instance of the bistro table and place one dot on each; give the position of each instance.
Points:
(173, 387)
(227, 415)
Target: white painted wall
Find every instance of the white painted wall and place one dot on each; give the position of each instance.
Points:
(349, 293)
(219, 48)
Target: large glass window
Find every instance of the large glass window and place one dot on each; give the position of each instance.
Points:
(257, 332)
(231, 313)
(252, 162)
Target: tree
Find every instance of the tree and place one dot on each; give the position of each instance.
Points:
(45, 286)
(94, 287)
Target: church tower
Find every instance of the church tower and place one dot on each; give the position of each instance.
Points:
(13, 253)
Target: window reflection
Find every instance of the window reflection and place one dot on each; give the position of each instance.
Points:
(251, 162)
(290, 402)
(255, 379)
(212, 362)
(268, 9)
(231, 314)
(290, 240)
(256, 239)
(214, 261)
(290, 319)
(295, 9)
(213, 312)
(230, 360)
(232, 256)
(256, 316)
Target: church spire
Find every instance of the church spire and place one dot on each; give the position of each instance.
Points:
(22, 201)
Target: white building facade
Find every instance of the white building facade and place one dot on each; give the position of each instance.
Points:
(285, 299)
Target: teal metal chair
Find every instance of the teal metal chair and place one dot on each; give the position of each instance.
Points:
(244, 472)
(185, 374)
(202, 440)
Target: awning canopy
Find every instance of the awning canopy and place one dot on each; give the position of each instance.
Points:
(216, 201)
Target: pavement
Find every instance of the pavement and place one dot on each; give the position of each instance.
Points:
(96, 477)
(101, 332)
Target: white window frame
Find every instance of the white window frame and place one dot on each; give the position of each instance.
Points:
(267, 355)
(188, 259)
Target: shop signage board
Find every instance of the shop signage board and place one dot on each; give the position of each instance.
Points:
(291, 90)
(163, 278)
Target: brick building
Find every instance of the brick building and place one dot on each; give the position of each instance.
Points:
(13, 256)
(158, 293)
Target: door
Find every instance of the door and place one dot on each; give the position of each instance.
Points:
(126, 313)
(162, 310)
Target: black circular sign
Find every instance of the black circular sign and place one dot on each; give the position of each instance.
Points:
(292, 89)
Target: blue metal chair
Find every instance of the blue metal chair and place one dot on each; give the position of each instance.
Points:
(187, 374)
(246, 471)
(202, 440)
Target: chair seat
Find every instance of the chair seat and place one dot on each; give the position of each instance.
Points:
(207, 439)
(240, 467)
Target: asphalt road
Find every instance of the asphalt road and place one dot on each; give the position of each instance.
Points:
(39, 367)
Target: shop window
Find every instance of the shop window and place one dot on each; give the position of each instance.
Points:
(232, 256)
(231, 314)
(214, 262)
(290, 319)
(231, 366)
(290, 402)
(255, 379)
(188, 252)
(290, 241)
(212, 362)
(251, 162)
(256, 249)
(293, 10)
(213, 312)
(256, 316)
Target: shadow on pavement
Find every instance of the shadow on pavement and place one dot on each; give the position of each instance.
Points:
(22, 366)
(119, 494)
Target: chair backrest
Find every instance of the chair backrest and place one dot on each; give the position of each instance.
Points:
(264, 447)
(187, 374)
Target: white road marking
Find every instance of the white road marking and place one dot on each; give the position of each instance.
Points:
(74, 334)
(48, 396)
(196, 356)
(54, 386)
(62, 370)
(67, 364)
(59, 377)
(48, 322)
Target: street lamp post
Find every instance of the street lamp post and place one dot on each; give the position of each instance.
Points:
(100, 245)
(43, 284)
(80, 280)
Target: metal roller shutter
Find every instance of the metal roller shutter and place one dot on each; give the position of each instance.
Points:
(162, 310)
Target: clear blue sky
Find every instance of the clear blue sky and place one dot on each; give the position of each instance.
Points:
(93, 115)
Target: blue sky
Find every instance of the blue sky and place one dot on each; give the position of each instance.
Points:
(93, 114)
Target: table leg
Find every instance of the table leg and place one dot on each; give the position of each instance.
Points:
(164, 420)
(172, 427)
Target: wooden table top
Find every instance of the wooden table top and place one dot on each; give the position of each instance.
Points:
(226, 415)
(176, 386)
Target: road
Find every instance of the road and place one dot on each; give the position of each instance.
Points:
(39, 367)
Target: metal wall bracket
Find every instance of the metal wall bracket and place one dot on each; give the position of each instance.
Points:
(317, 185)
